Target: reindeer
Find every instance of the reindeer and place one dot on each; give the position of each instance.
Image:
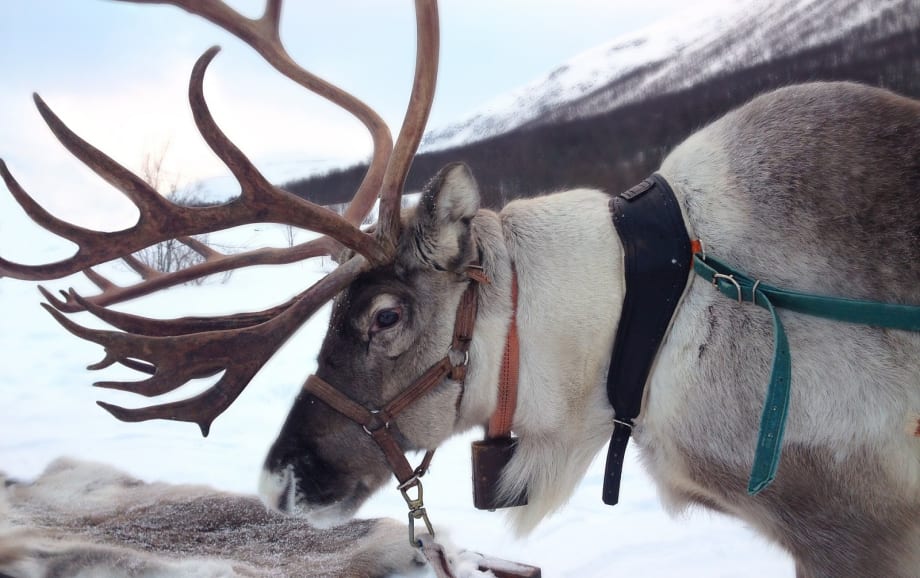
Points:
(810, 188)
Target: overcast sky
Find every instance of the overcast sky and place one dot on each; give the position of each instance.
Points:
(117, 74)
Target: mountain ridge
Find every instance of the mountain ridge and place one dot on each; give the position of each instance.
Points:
(672, 55)
(564, 148)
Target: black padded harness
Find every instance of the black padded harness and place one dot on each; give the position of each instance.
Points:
(657, 261)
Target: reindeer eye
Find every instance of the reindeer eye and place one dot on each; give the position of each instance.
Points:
(386, 318)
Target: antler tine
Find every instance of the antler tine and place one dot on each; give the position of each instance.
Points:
(140, 325)
(256, 187)
(144, 270)
(410, 135)
(263, 35)
(175, 359)
(160, 219)
(215, 262)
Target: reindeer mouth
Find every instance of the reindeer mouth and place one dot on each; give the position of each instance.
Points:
(288, 497)
(279, 491)
(276, 489)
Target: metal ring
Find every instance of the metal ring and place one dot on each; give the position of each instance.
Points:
(466, 357)
(386, 424)
(411, 482)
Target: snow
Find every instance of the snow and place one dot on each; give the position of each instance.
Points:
(582, 75)
(676, 52)
(49, 411)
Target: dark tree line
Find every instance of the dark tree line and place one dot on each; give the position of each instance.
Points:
(616, 149)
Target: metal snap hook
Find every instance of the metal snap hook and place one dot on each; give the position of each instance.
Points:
(416, 508)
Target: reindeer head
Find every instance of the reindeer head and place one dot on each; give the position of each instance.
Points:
(395, 290)
(392, 325)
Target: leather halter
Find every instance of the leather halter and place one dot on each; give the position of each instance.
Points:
(378, 423)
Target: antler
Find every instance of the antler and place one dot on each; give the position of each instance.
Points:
(176, 351)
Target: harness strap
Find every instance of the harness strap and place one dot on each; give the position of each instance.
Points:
(421, 386)
(376, 423)
(501, 420)
(656, 263)
(436, 556)
(443, 567)
(464, 322)
(741, 287)
(879, 314)
(341, 403)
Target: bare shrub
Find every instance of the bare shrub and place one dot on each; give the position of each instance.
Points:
(172, 254)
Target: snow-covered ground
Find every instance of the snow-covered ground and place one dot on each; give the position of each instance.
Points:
(48, 410)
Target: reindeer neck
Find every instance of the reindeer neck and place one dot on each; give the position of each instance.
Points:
(491, 323)
(567, 257)
(568, 260)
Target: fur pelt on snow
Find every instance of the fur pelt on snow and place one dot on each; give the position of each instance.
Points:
(81, 519)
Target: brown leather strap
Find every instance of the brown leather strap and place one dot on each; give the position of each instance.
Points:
(436, 556)
(377, 423)
(420, 387)
(342, 403)
(476, 272)
(502, 418)
(426, 462)
(464, 321)
(440, 563)
(401, 467)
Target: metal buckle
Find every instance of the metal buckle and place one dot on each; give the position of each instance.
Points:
(416, 509)
(732, 280)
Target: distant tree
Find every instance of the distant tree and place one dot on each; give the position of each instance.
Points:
(170, 255)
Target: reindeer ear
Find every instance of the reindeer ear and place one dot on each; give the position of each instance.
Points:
(452, 195)
(439, 234)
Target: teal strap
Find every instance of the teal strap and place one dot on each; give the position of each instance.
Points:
(739, 286)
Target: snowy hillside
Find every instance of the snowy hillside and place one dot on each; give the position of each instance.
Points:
(677, 52)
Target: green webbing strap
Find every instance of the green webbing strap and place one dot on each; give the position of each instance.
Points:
(740, 287)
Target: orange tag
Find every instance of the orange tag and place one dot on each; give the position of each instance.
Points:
(696, 246)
